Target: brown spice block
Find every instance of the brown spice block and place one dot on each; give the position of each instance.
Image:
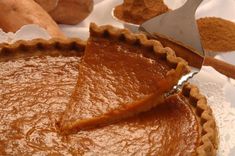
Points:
(138, 11)
(217, 34)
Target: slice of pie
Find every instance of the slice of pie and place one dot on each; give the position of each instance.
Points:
(36, 81)
(121, 74)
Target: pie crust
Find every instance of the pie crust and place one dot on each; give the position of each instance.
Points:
(208, 129)
(39, 47)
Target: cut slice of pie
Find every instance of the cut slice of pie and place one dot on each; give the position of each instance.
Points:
(121, 74)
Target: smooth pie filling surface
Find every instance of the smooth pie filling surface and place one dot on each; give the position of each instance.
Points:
(35, 91)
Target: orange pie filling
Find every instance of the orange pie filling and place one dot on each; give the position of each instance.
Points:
(36, 90)
(34, 93)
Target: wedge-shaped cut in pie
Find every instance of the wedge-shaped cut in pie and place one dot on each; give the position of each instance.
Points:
(121, 74)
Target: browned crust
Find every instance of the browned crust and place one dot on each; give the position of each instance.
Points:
(179, 65)
(208, 143)
(42, 47)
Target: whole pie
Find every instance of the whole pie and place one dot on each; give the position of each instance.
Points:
(38, 82)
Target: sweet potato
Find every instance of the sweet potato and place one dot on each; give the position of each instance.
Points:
(47, 5)
(16, 13)
(71, 11)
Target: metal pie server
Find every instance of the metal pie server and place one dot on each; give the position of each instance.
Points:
(180, 26)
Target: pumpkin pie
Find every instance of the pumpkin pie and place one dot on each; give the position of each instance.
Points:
(121, 74)
(37, 79)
